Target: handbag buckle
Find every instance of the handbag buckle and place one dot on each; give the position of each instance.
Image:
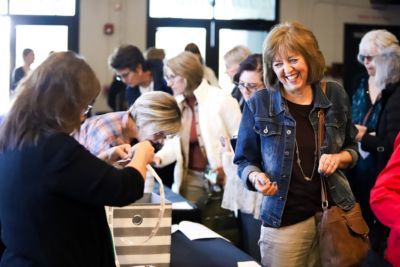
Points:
(325, 204)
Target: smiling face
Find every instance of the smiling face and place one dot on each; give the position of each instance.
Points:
(291, 70)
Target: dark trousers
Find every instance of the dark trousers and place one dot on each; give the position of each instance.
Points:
(250, 230)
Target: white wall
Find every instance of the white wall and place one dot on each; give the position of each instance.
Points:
(129, 19)
(326, 18)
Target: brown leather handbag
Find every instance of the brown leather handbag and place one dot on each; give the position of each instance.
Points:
(343, 235)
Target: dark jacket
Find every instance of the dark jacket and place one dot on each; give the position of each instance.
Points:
(381, 145)
(238, 96)
(17, 75)
(156, 68)
(116, 95)
(52, 199)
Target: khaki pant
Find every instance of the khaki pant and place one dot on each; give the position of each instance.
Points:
(290, 246)
(195, 186)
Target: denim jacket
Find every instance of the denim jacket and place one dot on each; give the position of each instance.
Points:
(266, 143)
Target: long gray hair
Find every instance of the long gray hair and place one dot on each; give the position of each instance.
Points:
(387, 66)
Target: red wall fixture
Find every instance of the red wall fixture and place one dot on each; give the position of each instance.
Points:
(108, 29)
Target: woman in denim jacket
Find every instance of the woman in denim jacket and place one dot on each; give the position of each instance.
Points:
(277, 146)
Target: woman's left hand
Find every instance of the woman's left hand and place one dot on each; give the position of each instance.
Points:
(362, 130)
(221, 178)
(115, 153)
(328, 163)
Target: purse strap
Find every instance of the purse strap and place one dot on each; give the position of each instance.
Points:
(321, 123)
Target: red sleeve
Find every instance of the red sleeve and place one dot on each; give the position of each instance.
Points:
(385, 195)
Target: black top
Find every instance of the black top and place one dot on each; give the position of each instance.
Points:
(17, 75)
(238, 96)
(116, 95)
(52, 199)
(304, 197)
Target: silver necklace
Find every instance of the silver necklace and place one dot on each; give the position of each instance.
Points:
(307, 178)
(298, 161)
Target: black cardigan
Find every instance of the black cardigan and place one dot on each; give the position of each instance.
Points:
(381, 145)
(52, 199)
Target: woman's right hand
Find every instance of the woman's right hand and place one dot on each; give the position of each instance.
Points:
(145, 149)
(263, 184)
(143, 154)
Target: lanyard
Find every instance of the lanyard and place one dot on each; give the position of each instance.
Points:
(198, 131)
(368, 114)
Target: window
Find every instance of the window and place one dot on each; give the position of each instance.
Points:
(3, 7)
(184, 9)
(224, 9)
(217, 27)
(250, 39)
(32, 36)
(245, 9)
(4, 63)
(42, 7)
(42, 25)
(182, 36)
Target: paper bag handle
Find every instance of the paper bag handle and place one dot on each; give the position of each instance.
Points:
(162, 203)
(162, 206)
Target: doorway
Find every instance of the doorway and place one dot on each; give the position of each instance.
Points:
(4, 63)
(53, 26)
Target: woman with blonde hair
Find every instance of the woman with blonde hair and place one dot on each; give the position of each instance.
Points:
(207, 114)
(52, 190)
(152, 117)
(277, 151)
(232, 60)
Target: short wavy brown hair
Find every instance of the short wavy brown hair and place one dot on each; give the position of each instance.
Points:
(295, 37)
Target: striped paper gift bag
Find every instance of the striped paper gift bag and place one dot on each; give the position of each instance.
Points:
(142, 232)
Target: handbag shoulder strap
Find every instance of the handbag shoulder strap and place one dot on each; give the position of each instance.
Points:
(321, 123)
(321, 117)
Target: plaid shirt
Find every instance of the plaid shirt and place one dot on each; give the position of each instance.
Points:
(101, 132)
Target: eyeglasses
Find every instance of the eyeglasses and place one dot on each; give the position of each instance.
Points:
(361, 58)
(249, 87)
(122, 76)
(87, 110)
(171, 77)
(159, 135)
